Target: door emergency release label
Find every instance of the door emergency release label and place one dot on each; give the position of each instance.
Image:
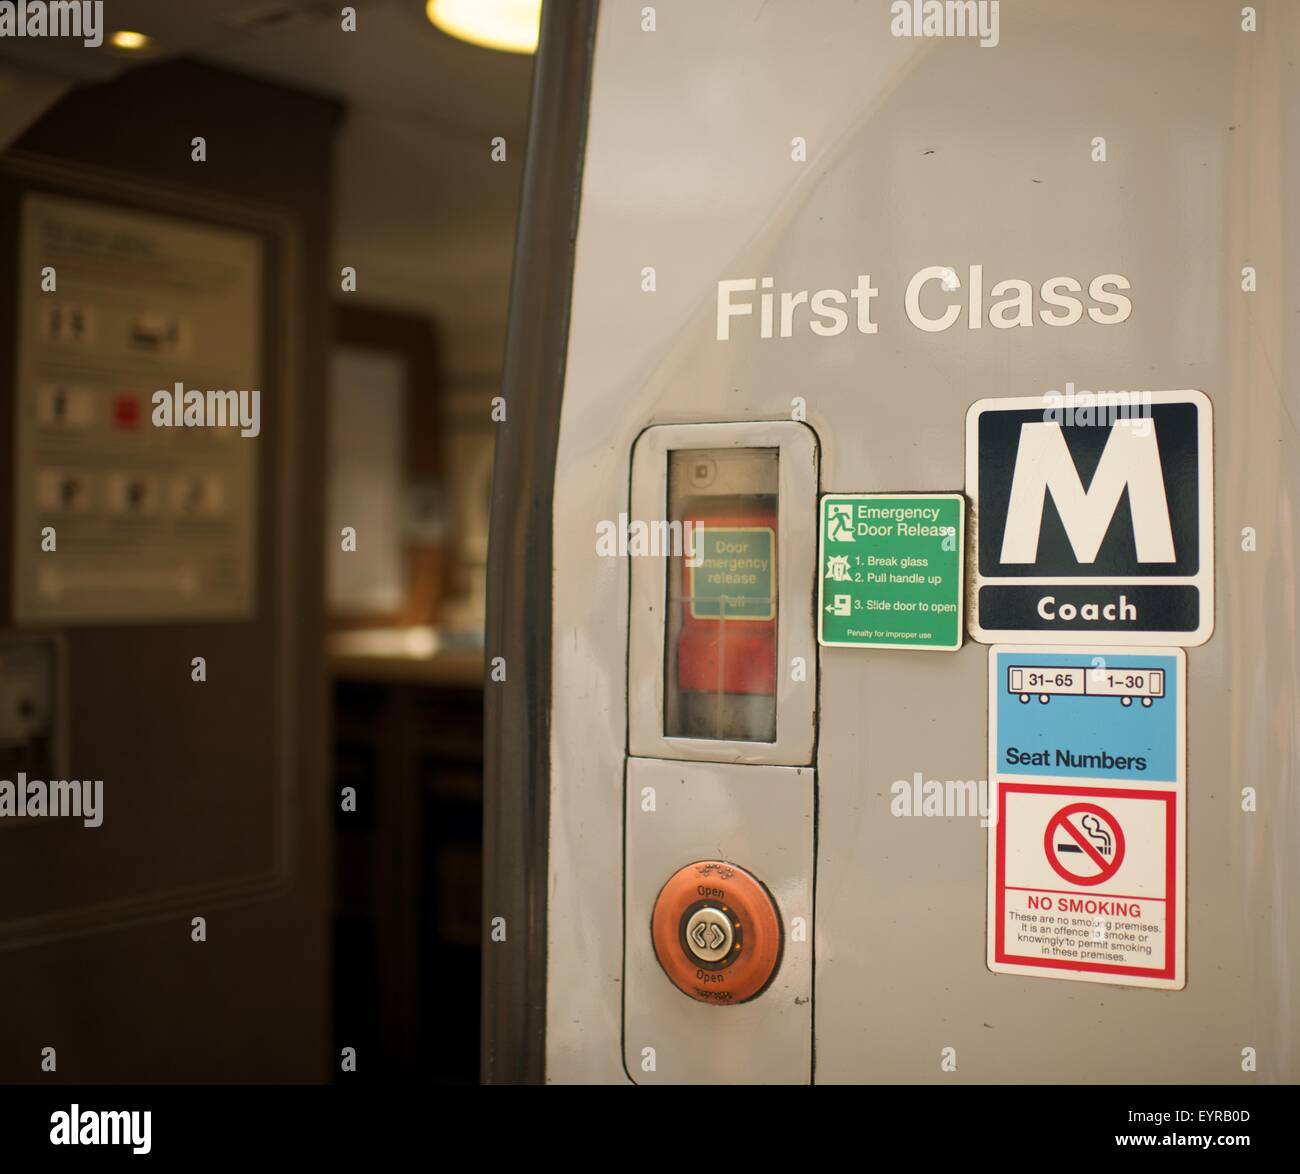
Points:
(1087, 869)
(891, 571)
(736, 572)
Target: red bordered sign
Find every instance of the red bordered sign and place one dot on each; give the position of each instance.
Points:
(1085, 884)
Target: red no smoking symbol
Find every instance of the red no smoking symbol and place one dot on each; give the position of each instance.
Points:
(1082, 832)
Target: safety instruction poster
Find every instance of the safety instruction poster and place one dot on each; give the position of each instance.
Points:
(891, 570)
(122, 514)
(1087, 859)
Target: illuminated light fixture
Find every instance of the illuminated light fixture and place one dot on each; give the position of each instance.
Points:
(130, 41)
(509, 25)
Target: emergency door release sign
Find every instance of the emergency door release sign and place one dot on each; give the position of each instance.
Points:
(891, 570)
(1087, 867)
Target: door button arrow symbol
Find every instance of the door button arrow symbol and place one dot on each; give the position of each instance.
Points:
(709, 934)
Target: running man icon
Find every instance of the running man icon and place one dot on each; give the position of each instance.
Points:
(839, 523)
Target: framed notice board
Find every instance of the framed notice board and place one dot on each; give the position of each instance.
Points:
(149, 521)
(172, 542)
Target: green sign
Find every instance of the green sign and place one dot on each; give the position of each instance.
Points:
(891, 570)
(735, 576)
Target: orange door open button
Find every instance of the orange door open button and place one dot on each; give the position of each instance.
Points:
(716, 932)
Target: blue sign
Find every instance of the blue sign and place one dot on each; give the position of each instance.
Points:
(1101, 714)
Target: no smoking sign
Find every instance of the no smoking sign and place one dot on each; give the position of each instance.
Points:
(1086, 884)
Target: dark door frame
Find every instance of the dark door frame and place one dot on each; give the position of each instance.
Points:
(517, 720)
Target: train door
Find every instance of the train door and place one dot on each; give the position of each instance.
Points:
(893, 542)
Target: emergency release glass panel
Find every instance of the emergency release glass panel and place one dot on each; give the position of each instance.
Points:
(720, 678)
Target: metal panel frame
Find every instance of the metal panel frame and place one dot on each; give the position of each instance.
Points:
(796, 702)
(762, 818)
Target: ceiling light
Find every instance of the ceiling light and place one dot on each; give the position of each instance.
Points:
(510, 25)
(128, 40)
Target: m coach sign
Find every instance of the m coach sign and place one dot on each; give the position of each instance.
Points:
(1092, 520)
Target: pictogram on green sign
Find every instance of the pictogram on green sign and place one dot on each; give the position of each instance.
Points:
(891, 570)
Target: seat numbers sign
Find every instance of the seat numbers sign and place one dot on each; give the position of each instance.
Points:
(1087, 862)
(891, 570)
